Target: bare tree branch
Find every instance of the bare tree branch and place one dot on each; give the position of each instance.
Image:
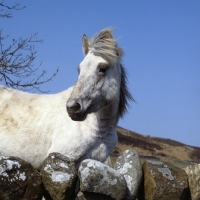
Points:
(5, 12)
(16, 64)
(16, 60)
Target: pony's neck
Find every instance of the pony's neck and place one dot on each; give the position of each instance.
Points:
(109, 113)
(106, 119)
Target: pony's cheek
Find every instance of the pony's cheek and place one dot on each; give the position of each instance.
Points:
(110, 89)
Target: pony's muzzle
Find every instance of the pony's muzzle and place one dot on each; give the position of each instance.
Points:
(74, 110)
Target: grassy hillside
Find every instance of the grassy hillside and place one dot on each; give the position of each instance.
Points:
(149, 147)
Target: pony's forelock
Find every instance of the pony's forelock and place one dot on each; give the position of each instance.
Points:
(103, 44)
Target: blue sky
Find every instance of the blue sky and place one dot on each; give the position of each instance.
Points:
(161, 40)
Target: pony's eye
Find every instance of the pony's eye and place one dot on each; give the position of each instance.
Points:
(103, 69)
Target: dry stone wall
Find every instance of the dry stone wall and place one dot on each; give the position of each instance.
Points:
(58, 179)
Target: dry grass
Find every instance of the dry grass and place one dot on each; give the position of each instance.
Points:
(172, 151)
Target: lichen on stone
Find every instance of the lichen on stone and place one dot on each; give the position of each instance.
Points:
(166, 173)
(59, 176)
(154, 162)
(64, 165)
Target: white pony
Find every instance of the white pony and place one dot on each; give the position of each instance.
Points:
(32, 125)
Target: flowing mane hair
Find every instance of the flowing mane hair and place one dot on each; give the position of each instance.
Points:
(103, 44)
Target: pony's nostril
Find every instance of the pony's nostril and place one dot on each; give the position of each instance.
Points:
(75, 108)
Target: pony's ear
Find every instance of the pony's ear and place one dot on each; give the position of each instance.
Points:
(106, 34)
(85, 44)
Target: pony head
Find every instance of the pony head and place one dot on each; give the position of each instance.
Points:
(102, 79)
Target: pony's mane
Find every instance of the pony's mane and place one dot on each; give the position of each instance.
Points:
(103, 44)
(125, 95)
